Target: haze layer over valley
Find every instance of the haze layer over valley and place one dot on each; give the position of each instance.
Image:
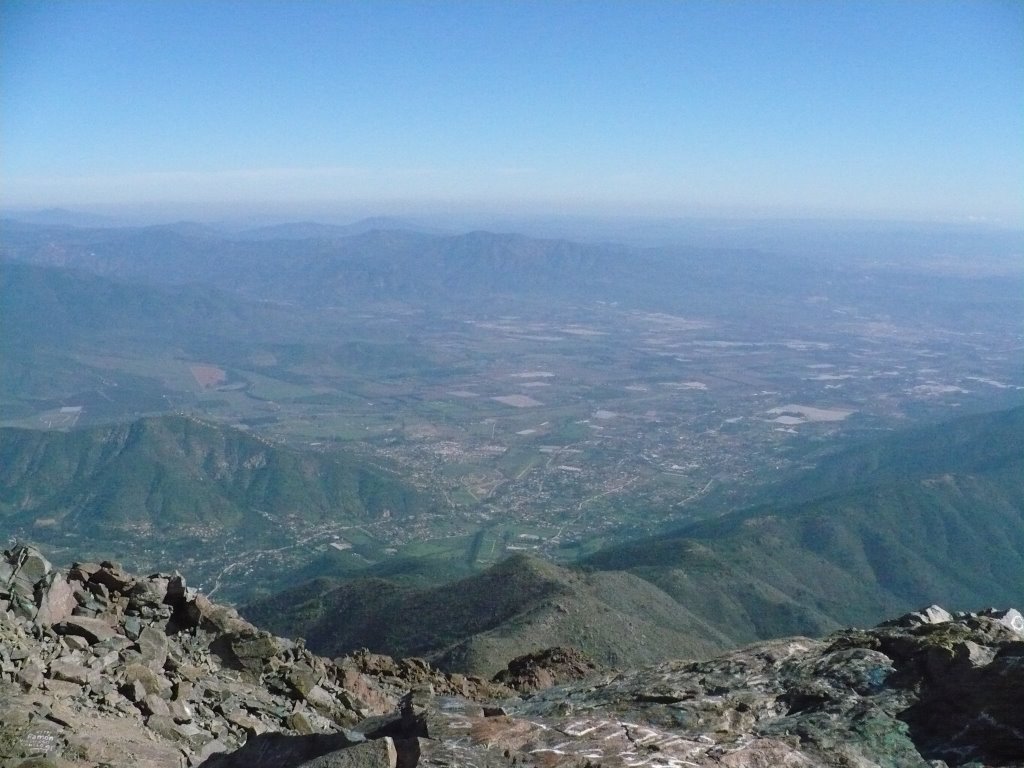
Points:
(538, 384)
(512, 394)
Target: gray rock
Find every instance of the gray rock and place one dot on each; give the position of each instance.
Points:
(253, 650)
(372, 754)
(200, 612)
(194, 738)
(114, 644)
(55, 599)
(303, 678)
(153, 647)
(152, 704)
(320, 698)
(29, 677)
(141, 679)
(214, 747)
(75, 642)
(299, 722)
(112, 578)
(180, 711)
(933, 614)
(28, 567)
(149, 592)
(132, 626)
(82, 571)
(1011, 618)
(72, 673)
(61, 689)
(92, 629)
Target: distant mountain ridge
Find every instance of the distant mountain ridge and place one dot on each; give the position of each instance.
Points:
(50, 303)
(60, 217)
(312, 230)
(374, 263)
(313, 265)
(329, 266)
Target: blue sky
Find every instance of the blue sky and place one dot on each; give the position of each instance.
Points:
(864, 109)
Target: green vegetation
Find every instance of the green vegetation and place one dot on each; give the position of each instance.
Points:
(537, 396)
(477, 623)
(188, 486)
(931, 534)
(945, 524)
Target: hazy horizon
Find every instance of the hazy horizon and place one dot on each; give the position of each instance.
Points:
(864, 111)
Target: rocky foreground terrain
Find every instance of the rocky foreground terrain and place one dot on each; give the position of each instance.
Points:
(102, 668)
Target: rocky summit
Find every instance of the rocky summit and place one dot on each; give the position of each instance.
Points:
(99, 667)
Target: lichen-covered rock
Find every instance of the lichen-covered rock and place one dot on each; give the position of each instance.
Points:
(543, 669)
(146, 673)
(101, 666)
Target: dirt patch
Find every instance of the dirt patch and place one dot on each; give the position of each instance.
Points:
(208, 376)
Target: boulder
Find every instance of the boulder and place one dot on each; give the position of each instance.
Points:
(141, 681)
(150, 592)
(202, 613)
(933, 614)
(72, 673)
(303, 679)
(1011, 618)
(253, 649)
(94, 630)
(55, 599)
(112, 578)
(152, 704)
(26, 567)
(153, 646)
(82, 572)
(543, 669)
(276, 750)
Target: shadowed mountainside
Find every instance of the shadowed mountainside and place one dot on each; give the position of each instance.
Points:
(926, 532)
(929, 515)
(476, 624)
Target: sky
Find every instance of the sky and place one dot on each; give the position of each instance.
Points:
(908, 109)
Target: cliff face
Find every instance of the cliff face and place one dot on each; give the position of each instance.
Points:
(99, 667)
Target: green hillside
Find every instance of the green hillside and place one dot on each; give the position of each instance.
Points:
(969, 444)
(120, 349)
(173, 479)
(944, 523)
(478, 623)
(933, 515)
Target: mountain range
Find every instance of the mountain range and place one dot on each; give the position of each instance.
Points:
(944, 522)
(931, 515)
(926, 515)
(317, 265)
